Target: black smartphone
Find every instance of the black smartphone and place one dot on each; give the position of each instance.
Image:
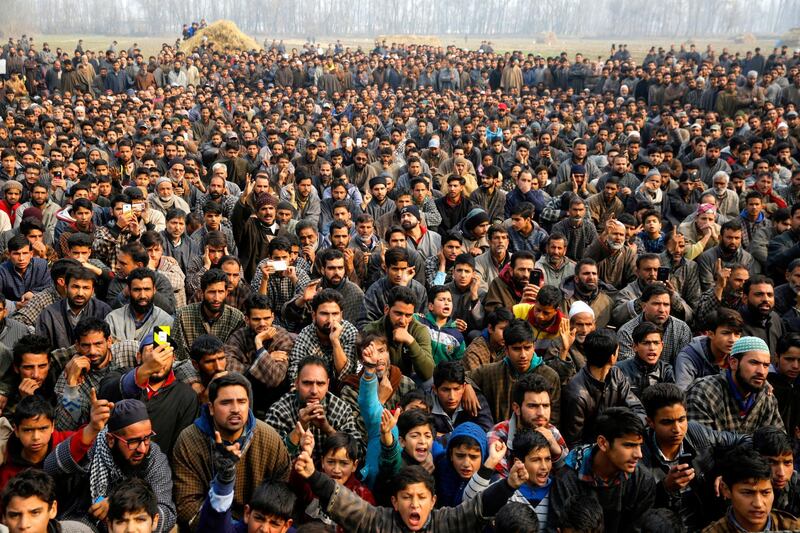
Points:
(685, 459)
(663, 274)
(536, 277)
(162, 337)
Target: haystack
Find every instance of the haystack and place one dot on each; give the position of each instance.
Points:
(428, 40)
(225, 35)
(546, 37)
(745, 38)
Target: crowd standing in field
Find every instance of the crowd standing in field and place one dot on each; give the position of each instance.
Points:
(413, 288)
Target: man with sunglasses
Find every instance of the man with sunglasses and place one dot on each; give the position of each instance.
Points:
(122, 450)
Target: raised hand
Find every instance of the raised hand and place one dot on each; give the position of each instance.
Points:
(304, 465)
(497, 451)
(517, 475)
(306, 439)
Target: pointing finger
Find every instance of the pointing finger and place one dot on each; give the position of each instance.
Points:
(217, 437)
(93, 395)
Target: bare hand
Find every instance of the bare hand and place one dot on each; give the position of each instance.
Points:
(469, 400)
(99, 510)
(306, 439)
(304, 465)
(279, 356)
(28, 387)
(517, 475)
(385, 390)
(389, 420)
(723, 274)
(76, 369)
(529, 293)
(100, 412)
(264, 336)
(402, 336)
(567, 333)
(336, 331)
(497, 452)
(461, 325)
(678, 478)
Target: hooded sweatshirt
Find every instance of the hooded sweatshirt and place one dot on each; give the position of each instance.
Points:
(449, 484)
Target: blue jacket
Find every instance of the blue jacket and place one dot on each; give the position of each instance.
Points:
(371, 409)
(449, 484)
(36, 279)
(533, 242)
(538, 198)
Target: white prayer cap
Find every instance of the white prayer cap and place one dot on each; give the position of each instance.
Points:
(579, 307)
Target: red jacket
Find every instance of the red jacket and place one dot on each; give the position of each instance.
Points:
(15, 462)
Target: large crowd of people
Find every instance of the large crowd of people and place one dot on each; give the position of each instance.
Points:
(411, 288)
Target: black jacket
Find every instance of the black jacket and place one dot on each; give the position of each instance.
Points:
(788, 395)
(624, 504)
(585, 397)
(696, 505)
(641, 375)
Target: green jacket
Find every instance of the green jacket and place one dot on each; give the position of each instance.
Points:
(417, 357)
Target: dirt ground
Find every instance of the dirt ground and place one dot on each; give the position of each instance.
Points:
(589, 47)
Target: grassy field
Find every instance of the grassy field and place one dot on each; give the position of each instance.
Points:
(589, 47)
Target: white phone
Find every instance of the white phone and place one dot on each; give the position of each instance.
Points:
(279, 266)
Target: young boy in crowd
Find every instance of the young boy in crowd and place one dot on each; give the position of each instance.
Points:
(340, 461)
(447, 341)
(33, 438)
(467, 450)
(746, 483)
(449, 382)
(30, 506)
(533, 449)
(652, 238)
(132, 508)
(648, 367)
(774, 446)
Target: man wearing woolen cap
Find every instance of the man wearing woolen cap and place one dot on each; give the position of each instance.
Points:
(121, 450)
(737, 399)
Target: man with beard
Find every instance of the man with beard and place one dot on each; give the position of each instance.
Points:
(656, 302)
(256, 232)
(605, 205)
(339, 239)
(711, 163)
(737, 399)
(217, 192)
(171, 404)
(377, 203)
(86, 364)
(616, 263)
(707, 354)
(577, 229)
(786, 294)
(586, 287)
(455, 205)
(530, 397)
(424, 241)
(260, 351)
(137, 318)
(302, 195)
(757, 310)
(164, 198)
(211, 316)
(553, 264)
(627, 300)
(513, 284)
(409, 341)
(214, 246)
(58, 321)
(122, 450)
(359, 173)
(333, 265)
(489, 264)
(683, 200)
(130, 257)
(378, 385)
(729, 251)
(314, 408)
(226, 418)
(328, 337)
(489, 196)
